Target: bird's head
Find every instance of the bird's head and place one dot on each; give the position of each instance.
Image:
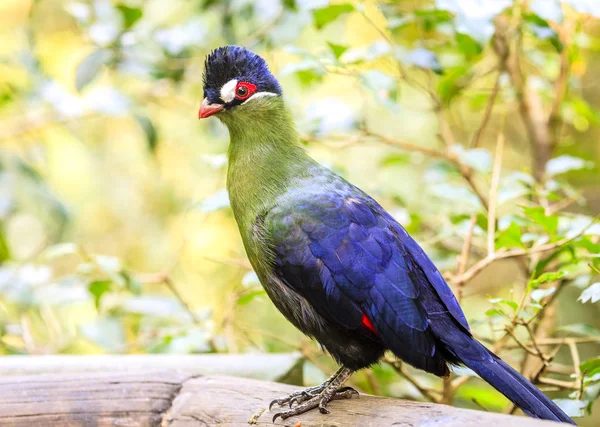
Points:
(235, 77)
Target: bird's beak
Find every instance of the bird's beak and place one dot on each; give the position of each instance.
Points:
(207, 110)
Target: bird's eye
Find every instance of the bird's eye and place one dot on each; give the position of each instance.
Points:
(243, 90)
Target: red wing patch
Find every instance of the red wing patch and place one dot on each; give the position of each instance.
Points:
(367, 323)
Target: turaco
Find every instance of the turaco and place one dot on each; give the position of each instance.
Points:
(331, 259)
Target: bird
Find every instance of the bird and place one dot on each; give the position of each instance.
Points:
(332, 260)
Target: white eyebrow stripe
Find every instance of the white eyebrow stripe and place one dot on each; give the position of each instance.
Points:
(228, 90)
(259, 95)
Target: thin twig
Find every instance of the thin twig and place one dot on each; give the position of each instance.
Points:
(398, 366)
(576, 362)
(463, 258)
(487, 113)
(491, 229)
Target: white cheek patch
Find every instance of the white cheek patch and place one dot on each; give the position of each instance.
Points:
(228, 90)
(259, 95)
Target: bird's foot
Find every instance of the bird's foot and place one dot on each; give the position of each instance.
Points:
(299, 396)
(318, 396)
(307, 402)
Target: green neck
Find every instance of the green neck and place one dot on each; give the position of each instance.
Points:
(265, 156)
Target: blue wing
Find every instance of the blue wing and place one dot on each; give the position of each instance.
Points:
(350, 258)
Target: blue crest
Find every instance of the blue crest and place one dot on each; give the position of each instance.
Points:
(233, 62)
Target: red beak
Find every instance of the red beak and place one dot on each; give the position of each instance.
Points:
(207, 110)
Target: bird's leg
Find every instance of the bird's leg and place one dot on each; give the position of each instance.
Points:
(330, 390)
(302, 395)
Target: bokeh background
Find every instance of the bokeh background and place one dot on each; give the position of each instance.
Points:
(115, 230)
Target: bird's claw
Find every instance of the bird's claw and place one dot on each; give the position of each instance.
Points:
(307, 400)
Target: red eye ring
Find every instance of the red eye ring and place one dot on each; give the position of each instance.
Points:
(244, 90)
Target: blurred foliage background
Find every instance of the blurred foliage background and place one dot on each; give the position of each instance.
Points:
(476, 123)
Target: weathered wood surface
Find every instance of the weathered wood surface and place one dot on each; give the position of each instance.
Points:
(178, 399)
(279, 367)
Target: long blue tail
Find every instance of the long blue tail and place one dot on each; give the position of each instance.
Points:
(508, 381)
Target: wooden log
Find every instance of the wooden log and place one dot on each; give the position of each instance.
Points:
(280, 367)
(174, 398)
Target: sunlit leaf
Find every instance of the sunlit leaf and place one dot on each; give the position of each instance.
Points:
(109, 264)
(326, 15)
(539, 294)
(60, 249)
(88, 69)
(149, 131)
(592, 293)
(494, 312)
(468, 46)
(98, 288)
(512, 304)
(581, 329)
(565, 163)
(538, 216)
(545, 278)
(590, 365)
(395, 160)
(290, 4)
(510, 237)
(130, 15)
(452, 83)
(573, 408)
(337, 49)
(249, 296)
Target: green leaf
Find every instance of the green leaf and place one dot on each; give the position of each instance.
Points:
(538, 216)
(337, 49)
(130, 15)
(565, 163)
(590, 365)
(308, 70)
(248, 297)
(592, 293)
(88, 69)
(511, 237)
(328, 14)
(581, 329)
(468, 46)
(452, 83)
(539, 294)
(510, 303)
(545, 278)
(431, 18)
(98, 288)
(494, 312)
(395, 160)
(4, 248)
(149, 131)
(290, 5)
(60, 250)
(132, 284)
(573, 408)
